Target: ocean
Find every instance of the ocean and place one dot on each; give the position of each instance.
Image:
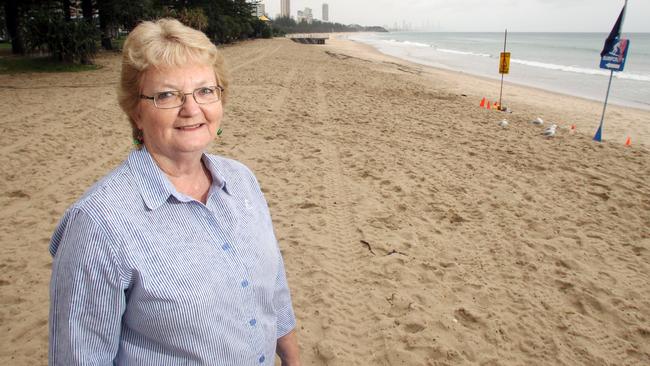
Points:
(561, 62)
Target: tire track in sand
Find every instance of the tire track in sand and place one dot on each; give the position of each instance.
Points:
(260, 55)
(341, 283)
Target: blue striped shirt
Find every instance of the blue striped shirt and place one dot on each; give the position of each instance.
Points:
(145, 275)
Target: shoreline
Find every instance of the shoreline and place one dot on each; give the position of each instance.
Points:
(549, 88)
(564, 109)
(507, 82)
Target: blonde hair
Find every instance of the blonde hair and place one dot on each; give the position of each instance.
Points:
(162, 43)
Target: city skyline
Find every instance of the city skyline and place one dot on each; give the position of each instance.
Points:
(480, 16)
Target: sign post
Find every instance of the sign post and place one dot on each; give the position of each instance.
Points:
(504, 62)
(504, 65)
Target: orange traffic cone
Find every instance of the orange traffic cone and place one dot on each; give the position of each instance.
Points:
(628, 142)
(483, 103)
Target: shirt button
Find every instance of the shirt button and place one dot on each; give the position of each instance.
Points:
(244, 283)
(225, 246)
(262, 358)
(252, 322)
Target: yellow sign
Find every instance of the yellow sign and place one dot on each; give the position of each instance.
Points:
(504, 63)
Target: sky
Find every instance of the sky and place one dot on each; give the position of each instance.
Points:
(481, 15)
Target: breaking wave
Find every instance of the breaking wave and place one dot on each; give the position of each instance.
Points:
(581, 70)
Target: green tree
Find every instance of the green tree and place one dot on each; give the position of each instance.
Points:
(192, 17)
(3, 23)
(261, 29)
(125, 14)
(228, 20)
(66, 40)
(222, 20)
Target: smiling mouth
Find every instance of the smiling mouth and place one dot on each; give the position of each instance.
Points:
(190, 127)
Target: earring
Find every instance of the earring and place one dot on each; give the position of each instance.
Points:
(219, 132)
(138, 140)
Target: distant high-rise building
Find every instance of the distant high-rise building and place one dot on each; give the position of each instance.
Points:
(285, 8)
(258, 9)
(305, 15)
(326, 12)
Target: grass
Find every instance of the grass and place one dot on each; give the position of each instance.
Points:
(118, 42)
(15, 64)
(12, 64)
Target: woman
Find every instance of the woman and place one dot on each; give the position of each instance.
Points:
(171, 258)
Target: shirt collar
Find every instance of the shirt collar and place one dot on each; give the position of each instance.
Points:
(219, 179)
(155, 187)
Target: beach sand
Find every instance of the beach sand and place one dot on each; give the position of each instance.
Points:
(415, 230)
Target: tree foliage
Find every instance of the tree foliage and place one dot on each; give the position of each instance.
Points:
(63, 35)
(222, 20)
(73, 41)
(192, 17)
(3, 22)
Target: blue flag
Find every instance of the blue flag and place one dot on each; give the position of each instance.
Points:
(614, 35)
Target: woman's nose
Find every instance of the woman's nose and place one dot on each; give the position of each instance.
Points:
(190, 107)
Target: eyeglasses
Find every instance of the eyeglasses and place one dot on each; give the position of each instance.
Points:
(176, 98)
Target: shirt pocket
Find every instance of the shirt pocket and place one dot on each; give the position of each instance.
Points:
(189, 278)
(188, 293)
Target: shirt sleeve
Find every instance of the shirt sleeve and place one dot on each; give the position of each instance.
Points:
(87, 298)
(282, 302)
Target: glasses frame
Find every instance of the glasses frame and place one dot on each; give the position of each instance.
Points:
(183, 96)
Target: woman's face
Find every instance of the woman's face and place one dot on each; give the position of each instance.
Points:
(187, 129)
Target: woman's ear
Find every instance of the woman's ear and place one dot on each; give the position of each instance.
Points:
(135, 116)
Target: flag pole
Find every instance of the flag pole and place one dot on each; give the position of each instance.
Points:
(599, 133)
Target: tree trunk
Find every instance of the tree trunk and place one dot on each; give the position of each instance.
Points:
(12, 20)
(87, 10)
(103, 28)
(66, 10)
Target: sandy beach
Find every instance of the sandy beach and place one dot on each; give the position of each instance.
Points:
(414, 229)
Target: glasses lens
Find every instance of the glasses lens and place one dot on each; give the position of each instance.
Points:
(208, 94)
(169, 99)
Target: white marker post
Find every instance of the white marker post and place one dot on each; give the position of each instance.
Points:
(504, 66)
